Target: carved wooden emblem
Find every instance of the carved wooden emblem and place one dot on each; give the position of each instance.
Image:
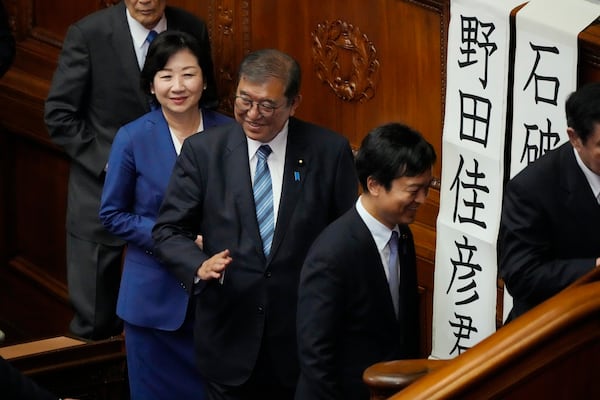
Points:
(345, 59)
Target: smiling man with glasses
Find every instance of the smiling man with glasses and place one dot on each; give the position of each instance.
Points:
(259, 191)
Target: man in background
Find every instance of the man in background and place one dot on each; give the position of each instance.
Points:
(550, 217)
(96, 90)
(357, 299)
(259, 192)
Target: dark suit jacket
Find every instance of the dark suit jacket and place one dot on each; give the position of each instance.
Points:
(346, 319)
(139, 167)
(95, 91)
(549, 229)
(16, 386)
(211, 192)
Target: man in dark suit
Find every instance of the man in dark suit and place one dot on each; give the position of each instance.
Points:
(16, 386)
(96, 90)
(357, 299)
(550, 217)
(247, 275)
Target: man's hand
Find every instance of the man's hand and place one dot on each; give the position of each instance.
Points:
(215, 266)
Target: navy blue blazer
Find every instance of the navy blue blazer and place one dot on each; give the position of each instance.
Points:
(346, 318)
(139, 167)
(211, 192)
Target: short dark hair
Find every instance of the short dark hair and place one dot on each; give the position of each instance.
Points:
(160, 50)
(271, 63)
(392, 151)
(583, 110)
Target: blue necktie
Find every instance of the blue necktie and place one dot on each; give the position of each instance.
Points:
(151, 36)
(393, 279)
(263, 198)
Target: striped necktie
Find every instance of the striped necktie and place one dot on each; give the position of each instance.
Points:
(263, 198)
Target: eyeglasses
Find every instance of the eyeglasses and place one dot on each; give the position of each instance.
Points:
(265, 108)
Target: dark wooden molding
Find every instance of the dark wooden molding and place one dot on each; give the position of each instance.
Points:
(229, 25)
(39, 275)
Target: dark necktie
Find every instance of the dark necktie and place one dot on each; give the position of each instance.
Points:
(393, 280)
(151, 36)
(263, 198)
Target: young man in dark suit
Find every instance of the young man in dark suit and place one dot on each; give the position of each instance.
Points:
(548, 234)
(96, 90)
(246, 276)
(357, 300)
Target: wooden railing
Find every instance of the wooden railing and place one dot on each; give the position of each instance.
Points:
(552, 351)
(73, 368)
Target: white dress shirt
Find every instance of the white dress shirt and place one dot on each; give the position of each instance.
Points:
(139, 34)
(381, 235)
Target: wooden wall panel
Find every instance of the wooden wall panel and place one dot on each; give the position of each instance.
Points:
(404, 42)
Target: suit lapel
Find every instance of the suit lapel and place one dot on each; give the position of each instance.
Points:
(579, 194)
(123, 45)
(296, 169)
(166, 154)
(382, 297)
(237, 175)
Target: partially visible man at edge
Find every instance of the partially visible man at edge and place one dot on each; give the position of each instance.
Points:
(548, 234)
(95, 90)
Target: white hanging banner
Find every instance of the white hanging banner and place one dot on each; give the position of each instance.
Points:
(545, 74)
(464, 300)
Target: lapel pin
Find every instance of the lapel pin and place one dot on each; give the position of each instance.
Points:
(297, 176)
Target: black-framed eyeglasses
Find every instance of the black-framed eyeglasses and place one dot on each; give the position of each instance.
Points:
(265, 108)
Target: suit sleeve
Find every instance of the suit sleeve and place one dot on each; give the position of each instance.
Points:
(180, 217)
(15, 385)
(320, 306)
(526, 260)
(63, 111)
(117, 207)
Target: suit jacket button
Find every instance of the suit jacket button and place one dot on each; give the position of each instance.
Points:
(268, 274)
(261, 310)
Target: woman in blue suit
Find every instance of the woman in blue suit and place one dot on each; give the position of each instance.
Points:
(154, 306)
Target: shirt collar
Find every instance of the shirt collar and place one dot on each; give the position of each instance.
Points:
(139, 32)
(381, 233)
(592, 178)
(277, 144)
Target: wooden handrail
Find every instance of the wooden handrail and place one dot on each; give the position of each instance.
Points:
(386, 378)
(553, 347)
